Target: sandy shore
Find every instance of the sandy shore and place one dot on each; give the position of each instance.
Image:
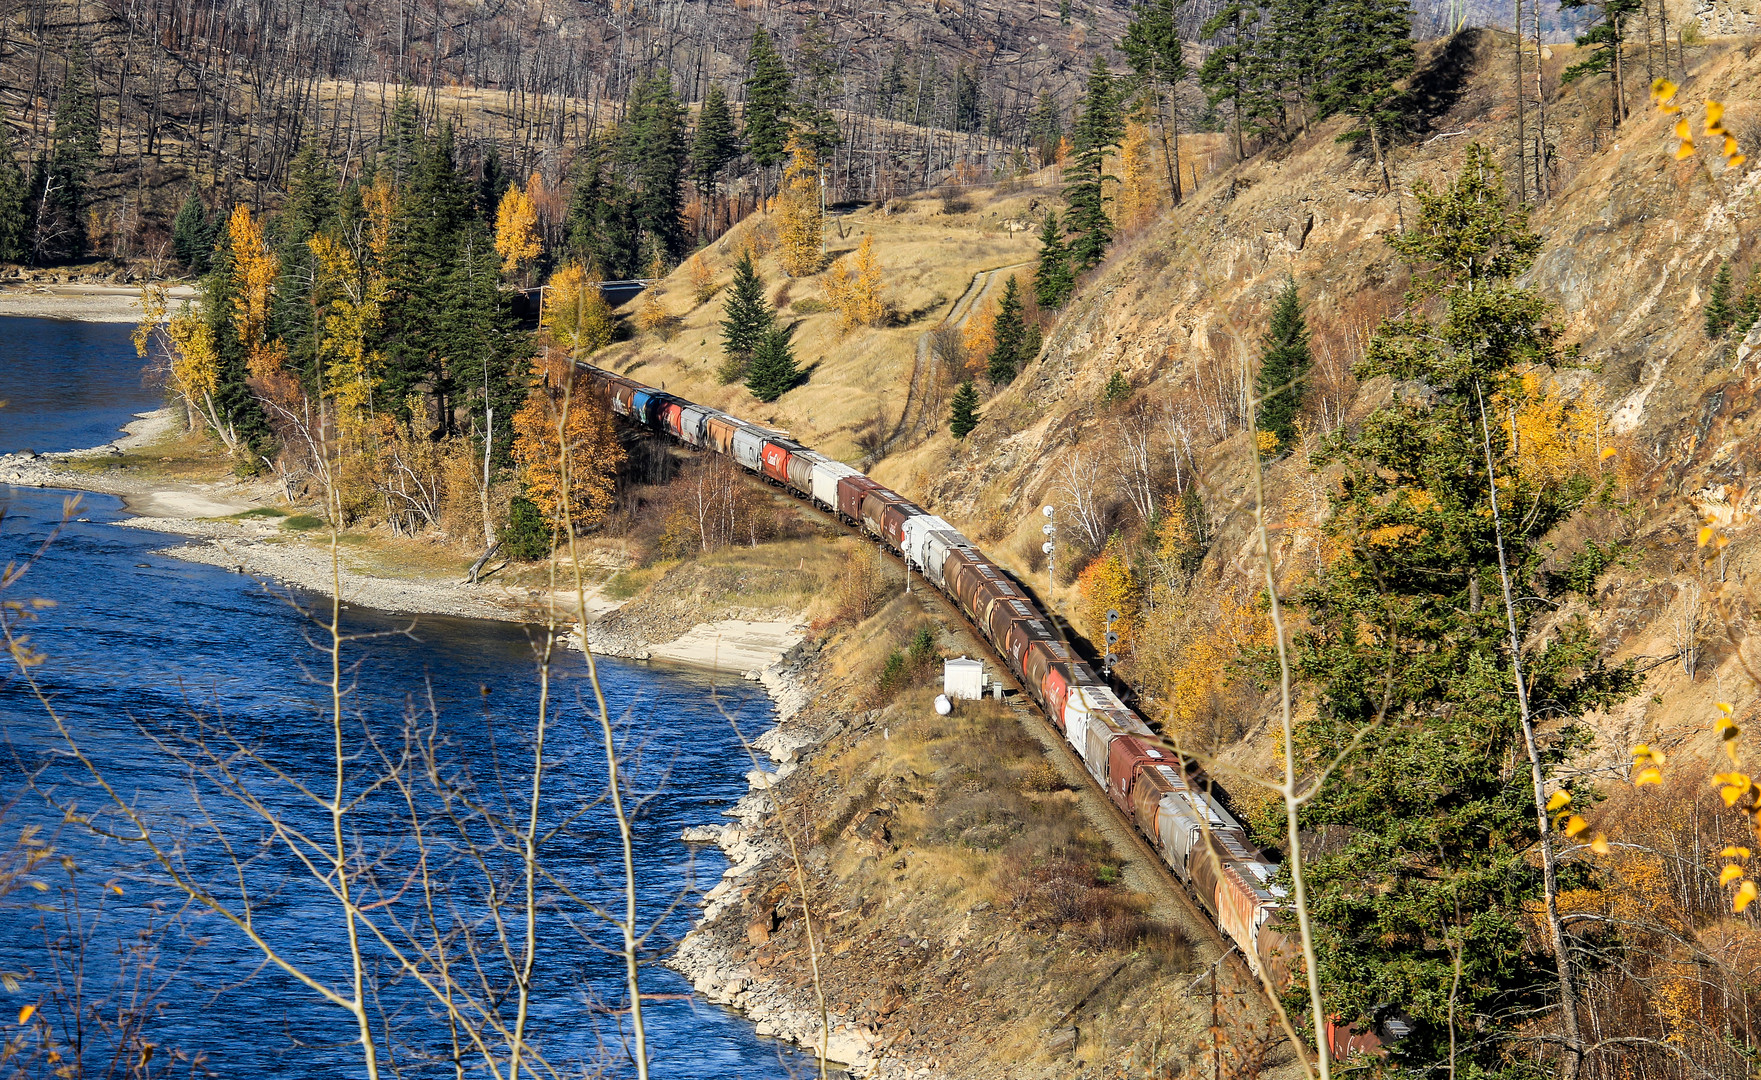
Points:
(85, 303)
(262, 547)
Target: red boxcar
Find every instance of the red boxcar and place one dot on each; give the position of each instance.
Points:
(852, 490)
(1005, 611)
(1059, 679)
(1129, 759)
(1021, 637)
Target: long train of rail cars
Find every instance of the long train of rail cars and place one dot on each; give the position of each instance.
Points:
(1199, 839)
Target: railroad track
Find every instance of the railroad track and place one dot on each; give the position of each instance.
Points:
(1120, 832)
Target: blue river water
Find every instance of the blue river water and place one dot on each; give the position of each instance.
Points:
(140, 646)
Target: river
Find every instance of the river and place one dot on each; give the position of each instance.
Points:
(140, 643)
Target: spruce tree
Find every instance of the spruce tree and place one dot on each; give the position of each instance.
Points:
(492, 184)
(1366, 49)
(1152, 44)
(1008, 332)
(747, 319)
(1719, 315)
(767, 103)
(1748, 309)
(488, 353)
(58, 183)
(1284, 367)
(192, 238)
(652, 152)
(963, 414)
(811, 108)
(14, 202)
(1426, 898)
(1052, 280)
(601, 222)
(714, 144)
(1116, 390)
(1225, 73)
(1098, 129)
(773, 372)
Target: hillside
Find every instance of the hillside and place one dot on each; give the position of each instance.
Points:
(1632, 241)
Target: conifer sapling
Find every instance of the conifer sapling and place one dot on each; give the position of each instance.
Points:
(964, 414)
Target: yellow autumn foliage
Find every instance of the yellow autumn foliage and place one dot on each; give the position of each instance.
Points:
(575, 312)
(1139, 195)
(979, 335)
(351, 370)
(1109, 583)
(854, 287)
(516, 230)
(553, 433)
(1556, 434)
(254, 268)
(800, 226)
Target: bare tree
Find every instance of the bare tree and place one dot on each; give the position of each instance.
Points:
(1687, 625)
(1078, 486)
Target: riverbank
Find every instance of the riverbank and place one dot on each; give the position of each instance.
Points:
(177, 485)
(85, 301)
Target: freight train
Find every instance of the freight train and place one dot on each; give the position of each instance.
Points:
(1165, 798)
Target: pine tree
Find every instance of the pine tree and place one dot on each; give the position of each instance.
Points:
(767, 103)
(1098, 129)
(1366, 50)
(714, 144)
(1008, 332)
(14, 201)
(1719, 315)
(1431, 895)
(1152, 44)
(773, 372)
(1224, 75)
(192, 239)
(1284, 367)
(746, 320)
(1606, 41)
(964, 416)
(1052, 280)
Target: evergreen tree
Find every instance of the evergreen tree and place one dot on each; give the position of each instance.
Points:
(487, 351)
(1606, 41)
(1426, 899)
(1748, 309)
(1152, 44)
(1098, 129)
(714, 144)
(767, 103)
(1284, 367)
(492, 185)
(1046, 128)
(58, 183)
(601, 221)
(1116, 390)
(1226, 72)
(963, 416)
(1052, 280)
(652, 149)
(192, 237)
(1719, 315)
(747, 318)
(14, 202)
(811, 109)
(773, 372)
(968, 99)
(402, 144)
(310, 208)
(893, 85)
(1366, 48)
(1283, 68)
(1009, 334)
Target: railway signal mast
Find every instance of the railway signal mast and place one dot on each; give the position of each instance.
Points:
(1051, 531)
(1112, 640)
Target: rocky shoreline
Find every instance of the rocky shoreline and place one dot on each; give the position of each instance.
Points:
(752, 845)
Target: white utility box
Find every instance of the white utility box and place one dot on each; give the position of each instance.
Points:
(963, 678)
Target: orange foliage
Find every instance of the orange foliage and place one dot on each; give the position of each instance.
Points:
(1110, 583)
(559, 436)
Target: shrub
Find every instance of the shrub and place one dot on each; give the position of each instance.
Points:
(303, 522)
(527, 536)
